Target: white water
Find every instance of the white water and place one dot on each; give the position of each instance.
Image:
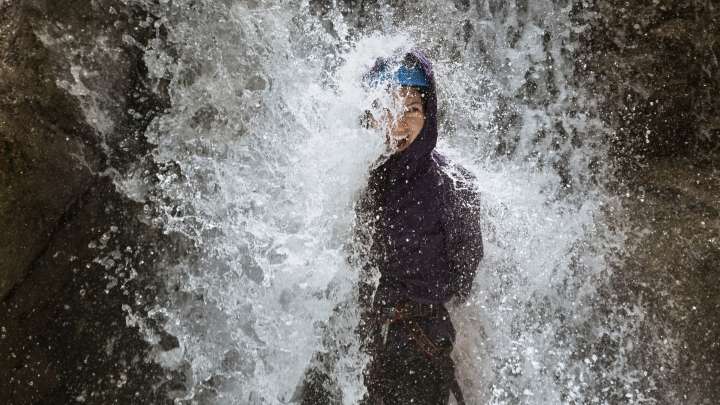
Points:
(264, 131)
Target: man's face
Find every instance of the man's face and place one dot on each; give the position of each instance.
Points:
(403, 119)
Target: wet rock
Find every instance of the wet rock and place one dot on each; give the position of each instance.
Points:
(73, 101)
(48, 151)
(672, 221)
(78, 258)
(68, 324)
(655, 67)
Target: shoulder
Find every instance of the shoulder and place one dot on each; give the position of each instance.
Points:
(453, 177)
(457, 188)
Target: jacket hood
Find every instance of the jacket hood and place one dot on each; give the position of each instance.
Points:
(410, 162)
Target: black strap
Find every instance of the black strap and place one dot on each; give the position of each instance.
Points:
(456, 391)
(409, 310)
(441, 359)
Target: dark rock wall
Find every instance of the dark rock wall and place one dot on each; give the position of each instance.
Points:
(65, 338)
(74, 101)
(41, 128)
(655, 69)
(672, 263)
(77, 258)
(656, 66)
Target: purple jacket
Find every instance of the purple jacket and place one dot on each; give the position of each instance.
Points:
(424, 223)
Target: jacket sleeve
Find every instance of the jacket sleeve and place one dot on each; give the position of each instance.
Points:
(461, 223)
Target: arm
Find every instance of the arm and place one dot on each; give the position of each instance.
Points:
(461, 222)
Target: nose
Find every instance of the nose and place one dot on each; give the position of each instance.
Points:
(395, 118)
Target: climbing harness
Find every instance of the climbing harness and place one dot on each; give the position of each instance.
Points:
(438, 356)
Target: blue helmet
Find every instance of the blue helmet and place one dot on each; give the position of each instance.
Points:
(403, 76)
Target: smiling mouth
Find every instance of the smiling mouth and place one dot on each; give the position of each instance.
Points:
(398, 136)
(399, 142)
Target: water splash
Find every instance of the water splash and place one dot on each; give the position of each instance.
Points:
(263, 158)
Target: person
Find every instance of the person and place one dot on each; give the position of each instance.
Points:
(419, 216)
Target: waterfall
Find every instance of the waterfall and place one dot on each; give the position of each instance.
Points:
(261, 159)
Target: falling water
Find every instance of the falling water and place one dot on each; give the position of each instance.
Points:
(262, 158)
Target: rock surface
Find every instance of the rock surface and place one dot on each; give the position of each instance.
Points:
(672, 222)
(77, 259)
(73, 102)
(65, 332)
(654, 67)
(44, 142)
